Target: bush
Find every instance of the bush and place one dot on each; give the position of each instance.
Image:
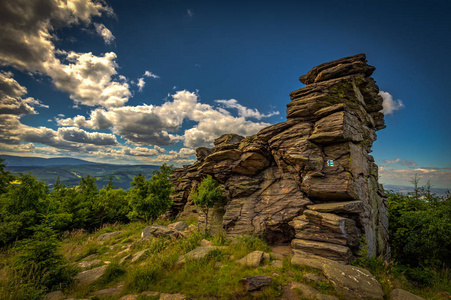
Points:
(420, 229)
(207, 195)
(38, 255)
(150, 199)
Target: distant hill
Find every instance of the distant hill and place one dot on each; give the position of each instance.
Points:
(11, 161)
(409, 189)
(70, 170)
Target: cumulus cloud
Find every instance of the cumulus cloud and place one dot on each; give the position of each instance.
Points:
(244, 111)
(11, 100)
(439, 177)
(88, 79)
(141, 82)
(390, 105)
(408, 162)
(27, 44)
(143, 151)
(158, 125)
(392, 161)
(105, 33)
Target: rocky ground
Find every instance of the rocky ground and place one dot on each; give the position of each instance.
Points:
(271, 273)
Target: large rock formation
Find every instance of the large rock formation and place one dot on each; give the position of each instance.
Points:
(309, 180)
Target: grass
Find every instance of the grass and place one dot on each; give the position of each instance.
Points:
(216, 276)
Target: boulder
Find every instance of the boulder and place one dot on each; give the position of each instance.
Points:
(253, 259)
(197, 253)
(399, 294)
(255, 283)
(159, 231)
(353, 282)
(89, 276)
(179, 226)
(108, 235)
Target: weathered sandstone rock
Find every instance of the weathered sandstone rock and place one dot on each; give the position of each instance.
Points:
(308, 180)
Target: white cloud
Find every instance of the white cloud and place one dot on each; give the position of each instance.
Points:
(26, 43)
(11, 101)
(105, 33)
(244, 111)
(150, 74)
(390, 105)
(143, 151)
(392, 161)
(141, 83)
(158, 125)
(88, 79)
(189, 12)
(439, 177)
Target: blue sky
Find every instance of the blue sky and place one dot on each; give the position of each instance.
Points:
(149, 81)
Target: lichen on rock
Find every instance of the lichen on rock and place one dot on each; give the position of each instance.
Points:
(309, 180)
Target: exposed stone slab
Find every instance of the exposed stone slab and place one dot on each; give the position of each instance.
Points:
(179, 226)
(399, 294)
(326, 250)
(89, 276)
(352, 282)
(338, 207)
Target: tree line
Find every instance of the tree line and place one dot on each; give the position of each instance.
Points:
(26, 203)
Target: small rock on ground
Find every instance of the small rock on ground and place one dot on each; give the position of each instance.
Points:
(205, 243)
(89, 264)
(277, 264)
(108, 291)
(255, 283)
(138, 255)
(177, 296)
(253, 259)
(90, 276)
(129, 297)
(197, 253)
(57, 295)
(108, 235)
(399, 294)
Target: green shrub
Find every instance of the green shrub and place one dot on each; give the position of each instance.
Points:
(150, 199)
(38, 255)
(420, 229)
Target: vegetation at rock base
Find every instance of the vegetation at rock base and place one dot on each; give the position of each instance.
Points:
(208, 194)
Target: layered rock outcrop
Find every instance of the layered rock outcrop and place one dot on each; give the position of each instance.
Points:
(309, 180)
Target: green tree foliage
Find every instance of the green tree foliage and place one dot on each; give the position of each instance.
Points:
(6, 177)
(208, 194)
(22, 205)
(110, 206)
(39, 255)
(148, 199)
(420, 230)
